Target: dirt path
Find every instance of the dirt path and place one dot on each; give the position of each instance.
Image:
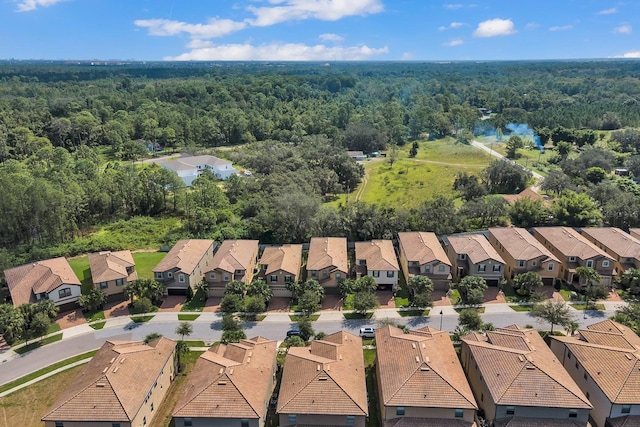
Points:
(539, 178)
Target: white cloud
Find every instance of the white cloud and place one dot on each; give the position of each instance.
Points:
(324, 10)
(453, 6)
(561, 28)
(456, 24)
(623, 29)
(442, 28)
(532, 25)
(607, 11)
(279, 52)
(495, 27)
(213, 28)
(632, 54)
(330, 37)
(454, 42)
(28, 5)
(407, 56)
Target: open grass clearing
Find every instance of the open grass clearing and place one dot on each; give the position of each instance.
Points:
(298, 317)
(188, 317)
(39, 343)
(357, 316)
(146, 261)
(80, 266)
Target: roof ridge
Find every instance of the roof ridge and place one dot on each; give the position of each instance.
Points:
(584, 400)
(633, 369)
(365, 409)
(301, 388)
(451, 385)
(118, 397)
(600, 346)
(406, 379)
(225, 374)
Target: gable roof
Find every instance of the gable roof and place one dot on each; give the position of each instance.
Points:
(520, 244)
(524, 374)
(326, 252)
(234, 255)
(527, 193)
(326, 378)
(38, 277)
(420, 369)
(378, 254)
(476, 247)
(106, 266)
(623, 245)
(190, 162)
(114, 384)
(287, 258)
(569, 242)
(185, 255)
(610, 353)
(230, 381)
(422, 246)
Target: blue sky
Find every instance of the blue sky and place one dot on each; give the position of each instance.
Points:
(325, 30)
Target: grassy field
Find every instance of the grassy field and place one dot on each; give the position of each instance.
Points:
(80, 266)
(146, 261)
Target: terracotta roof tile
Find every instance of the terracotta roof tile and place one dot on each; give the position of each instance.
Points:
(520, 243)
(476, 247)
(570, 243)
(378, 255)
(287, 258)
(328, 252)
(622, 244)
(185, 255)
(107, 266)
(235, 255)
(38, 277)
(423, 247)
(626, 421)
(527, 193)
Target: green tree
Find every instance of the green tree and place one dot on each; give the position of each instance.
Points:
(235, 287)
(554, 312)
(526, 283)
(576, 210)
(309, 302)
(629, 315)
(152, 336)
(629, 280)
(346, 287)
(184, 329)
(94, 300)
(528, 213)
(294, 341)
(255, 305)
(182, 349)
(596, 174)
(364, 301)
(233, 336)
(564, 148)
(231, 303)
(588, 276)
(365, 284)
(306, 328)
(259, 288)
(230, 323)
(472, 289)
(513, 144)
(504, 177)
(39, 325)
(470, 320)
(414, 149)
(11, 323)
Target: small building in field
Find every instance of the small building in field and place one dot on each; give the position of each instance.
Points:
(189, 168)
(110, 271)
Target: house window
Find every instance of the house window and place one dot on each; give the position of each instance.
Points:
(459, 413)
(589, 263)
(288, 278)
(104, 285)
(391, 273)
(293, 419)
(158, 275)
(511, 410)
(573, 413)
(572, 259)
(585, 374)
(244, 423)
(151, 406)
(188, 422)
(170, 275)
(534, 263)
(400, 410)
(181, 278)
(338, 276)
(482, 267)
(119, 282)
(115, 424)
(362, 262)
(550, 266)
(63, 293)
(375, 273)
(212, 276)
(314, 273)
(264, 267)
(441, 268)
(496, 267)
(59, 424)
(463, 256)
(226, 277)
(273, 278)
(521, 263)
(605, 263)
(427, 268)
(588, 395)
(324, 273)
(239, 272)
(144, 421)
(351, 420)
(626, 409)
(569, 355)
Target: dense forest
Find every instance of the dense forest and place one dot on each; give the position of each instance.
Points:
(70, 164)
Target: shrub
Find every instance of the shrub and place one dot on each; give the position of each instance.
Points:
(141, 305)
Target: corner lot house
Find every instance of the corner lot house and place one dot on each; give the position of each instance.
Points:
(51, 279)
(422, 254)
(521, 253)
(110, 271)
(234, 260)
(185, 265)
(604, 360)
(230, 385)
(280, 265)
(574, 250)
(377, 259)
(473, 255)
(517, 381)
(190, 167)
(622, 247)
(123, 385)
(327, 261)
(420, 380)
(324, 384)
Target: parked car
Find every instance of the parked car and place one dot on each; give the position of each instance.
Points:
(293, 332)
(273, 402)
(367, 332)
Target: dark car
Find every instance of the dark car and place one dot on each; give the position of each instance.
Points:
(293, 332)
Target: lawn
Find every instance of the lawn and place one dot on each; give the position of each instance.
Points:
(141, 319)
(38, 343)
(196, 303)
(296, 317)
(521, 307)
(195, 343)
(373, 420)
(413, 313)
(479, 310)
(80, 266)
(146, 261)
(357, 316)
(253, 317)
(591, 306)
(188, 317)
(98, 325)
(92, 316)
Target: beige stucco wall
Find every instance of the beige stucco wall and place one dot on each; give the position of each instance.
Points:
(218, 422)
(163, 382)
(480, 390)
(543, 412)
(390, 413)
(86, 424)
(112, 288)
(321, 420)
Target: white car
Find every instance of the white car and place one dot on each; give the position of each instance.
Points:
(367, 332)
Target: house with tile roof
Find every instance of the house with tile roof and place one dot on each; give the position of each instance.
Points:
(635, 232)
(234, 260)
(574, 250)
(123, 385)
(280, 265)
(517, 380)
(604, 360)
(110, 271)
(229, 385)
(522, 252)
(527, 193)
(422, 254)
(473, 255)
(621, 246)
(377, 259)
(185, 265)
(189, 168)
(324, 384)
(51, 279)
(327, 261)
(420, 380)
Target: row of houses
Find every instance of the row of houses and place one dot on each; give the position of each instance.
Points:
(508, 377)
(499, 253)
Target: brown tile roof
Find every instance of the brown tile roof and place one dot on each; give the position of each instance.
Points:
(426, 422)
(527, 193)
(570, 243)
(422, 246)
(315, 384)
(476, 247)
(535, 422)
(520, 243)
(612, 362)
(617, 241)
(420, 370)
(185, 255)
(626, 421)
(235, 255)
(115, 383)
(230, 381)
(106, 266)
(326, 252)
(27, 280)
(524, 377)
(378, 254)
(287, 258)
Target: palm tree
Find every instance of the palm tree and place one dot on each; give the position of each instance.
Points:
(184, 328)
(588, 276)
(182, 349)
